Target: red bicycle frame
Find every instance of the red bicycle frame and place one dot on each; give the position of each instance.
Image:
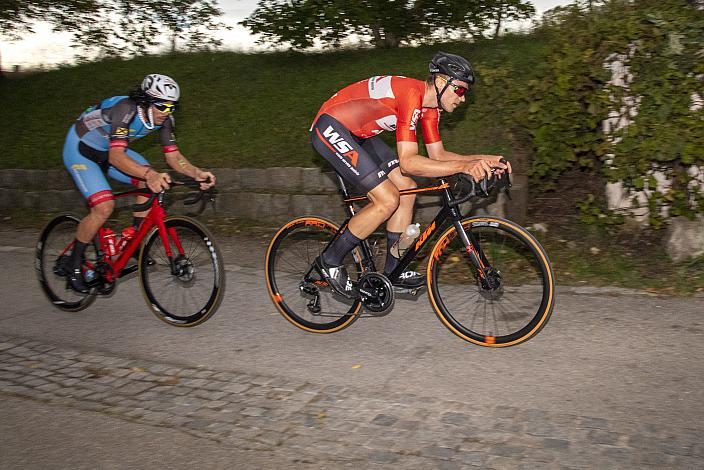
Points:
(155, 218)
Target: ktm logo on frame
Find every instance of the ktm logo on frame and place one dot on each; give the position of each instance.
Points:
(425, 235)
(339, 144)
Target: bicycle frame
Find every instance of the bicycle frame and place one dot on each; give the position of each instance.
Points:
(447, 211)
(155, 218)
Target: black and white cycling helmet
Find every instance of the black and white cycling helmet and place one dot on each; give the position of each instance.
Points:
(453, 66)
(161, 87)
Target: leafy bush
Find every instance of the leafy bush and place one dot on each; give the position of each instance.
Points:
(662, 42)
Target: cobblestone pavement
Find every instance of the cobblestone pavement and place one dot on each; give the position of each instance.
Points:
(336, 426)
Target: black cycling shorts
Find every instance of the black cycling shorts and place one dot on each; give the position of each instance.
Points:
(364, 163)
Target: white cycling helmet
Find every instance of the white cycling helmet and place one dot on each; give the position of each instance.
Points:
(161, 87)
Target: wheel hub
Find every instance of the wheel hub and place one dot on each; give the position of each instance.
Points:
(491, 285)
(185, 271)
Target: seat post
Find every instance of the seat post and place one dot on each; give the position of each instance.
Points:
(343, 187)
(345, 195)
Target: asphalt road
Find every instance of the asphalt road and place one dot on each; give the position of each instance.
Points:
(621, 355)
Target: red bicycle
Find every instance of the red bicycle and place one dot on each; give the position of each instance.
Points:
(180, 267)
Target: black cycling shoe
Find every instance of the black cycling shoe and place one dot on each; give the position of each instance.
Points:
(76, 281)
(410, 280)
(337, 277)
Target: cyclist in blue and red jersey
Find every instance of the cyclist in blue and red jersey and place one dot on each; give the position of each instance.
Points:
(345, 133)
(97, 145)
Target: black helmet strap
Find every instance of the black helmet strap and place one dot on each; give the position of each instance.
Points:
(440, 93)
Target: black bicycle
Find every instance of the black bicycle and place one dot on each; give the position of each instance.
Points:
(489, 280)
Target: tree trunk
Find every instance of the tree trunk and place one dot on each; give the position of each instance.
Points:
(391, 40)
(173, 43)
(498, 22)
(377, 38)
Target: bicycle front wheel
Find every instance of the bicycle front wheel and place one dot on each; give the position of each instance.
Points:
(187, 289)
(506, 304)
(52, 264)
(310, 305)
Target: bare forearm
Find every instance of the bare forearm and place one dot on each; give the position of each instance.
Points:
(421, 166)
(119, 159)
(181, 164)
(446, 155)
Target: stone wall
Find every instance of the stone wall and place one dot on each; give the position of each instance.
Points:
(269, 194)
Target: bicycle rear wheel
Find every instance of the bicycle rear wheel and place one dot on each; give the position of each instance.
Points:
(511, 303)
(191, 292)
(52, 264)
(288, 259)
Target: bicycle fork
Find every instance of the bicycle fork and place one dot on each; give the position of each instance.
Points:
(489, 278)
(168, 236)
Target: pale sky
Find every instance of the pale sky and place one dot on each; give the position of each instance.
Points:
(47, 48)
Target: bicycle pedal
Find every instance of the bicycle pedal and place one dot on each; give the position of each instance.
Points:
(405, 291)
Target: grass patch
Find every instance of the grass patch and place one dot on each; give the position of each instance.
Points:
(251, 110)
(599, 258)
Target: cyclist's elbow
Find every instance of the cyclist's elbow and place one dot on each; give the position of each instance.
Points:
(405, 163)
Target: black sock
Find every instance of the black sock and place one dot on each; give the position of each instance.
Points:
(391, 260)
(79, 249)
(336, 252)
(137, 221)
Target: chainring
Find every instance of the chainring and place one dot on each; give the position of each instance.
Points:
(376, 293)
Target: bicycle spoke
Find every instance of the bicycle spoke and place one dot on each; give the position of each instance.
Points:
(290, 257)
(508, 303)
(188, 292)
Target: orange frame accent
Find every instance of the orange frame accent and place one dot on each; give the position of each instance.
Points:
(403, 192)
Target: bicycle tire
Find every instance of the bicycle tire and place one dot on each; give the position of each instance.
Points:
(289, 256)
(508, 315)
(201, 261)
(53, 240)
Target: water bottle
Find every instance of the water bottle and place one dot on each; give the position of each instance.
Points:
(110, 246)
(89, 275)
(405, 240)
(127, 235)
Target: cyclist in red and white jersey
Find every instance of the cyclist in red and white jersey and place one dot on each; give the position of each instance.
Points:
(345, 134)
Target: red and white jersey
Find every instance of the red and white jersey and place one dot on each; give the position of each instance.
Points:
(385, 103)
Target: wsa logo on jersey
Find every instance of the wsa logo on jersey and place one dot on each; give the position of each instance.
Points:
(340, 145)
(414, 119)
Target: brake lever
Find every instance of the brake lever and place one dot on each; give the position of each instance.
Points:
(484, 186)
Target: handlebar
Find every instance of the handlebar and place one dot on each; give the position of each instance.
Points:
(483, 187)
(188, 200)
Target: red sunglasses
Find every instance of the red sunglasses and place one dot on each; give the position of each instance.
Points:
(459, 90)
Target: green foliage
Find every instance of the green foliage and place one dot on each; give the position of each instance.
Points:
(592, 213)
(300, 23)
(123, 28)
(118, 28)
(667, 136)
(16, 16)
(255, 110)
(661, 42)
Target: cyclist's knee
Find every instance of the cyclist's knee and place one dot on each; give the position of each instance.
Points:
(103, 210)
(386, 202)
